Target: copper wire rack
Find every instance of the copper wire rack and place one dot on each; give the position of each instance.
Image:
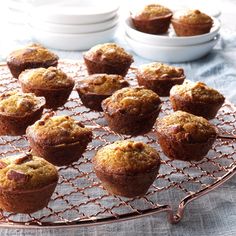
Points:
(79, 198)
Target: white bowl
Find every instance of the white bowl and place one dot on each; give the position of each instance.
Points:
(172, 53)
(75, 12)
(170, 39)
(72, 41)
(73, 29)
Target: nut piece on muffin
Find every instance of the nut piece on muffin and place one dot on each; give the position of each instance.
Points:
(184, 136)
(132, 111)
(196, 98)
(152, 19)
(19, 110)
(31, 56)
(191, 22)
(51, 83)
(59, 139)
(95, 88)
(108, 58)
(159, 77)
(27, 183)
(127, 168)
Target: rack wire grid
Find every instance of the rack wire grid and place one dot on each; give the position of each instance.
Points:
(79, 198)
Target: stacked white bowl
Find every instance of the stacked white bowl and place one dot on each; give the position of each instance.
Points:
(74, 25)
(169, 47)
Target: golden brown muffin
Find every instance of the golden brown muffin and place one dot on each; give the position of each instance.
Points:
(19, 110)
(184, 136)
(31, 56)
(159, 77)
(108, 58)
(127, 168)
(152, 19)
(191, 22)
(132, 111)
(58, 139)
(51, 83)
(95, 88)
(26, 183)
(196, 98)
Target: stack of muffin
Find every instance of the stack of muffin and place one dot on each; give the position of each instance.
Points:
(126, 167)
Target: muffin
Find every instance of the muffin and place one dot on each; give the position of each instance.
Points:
(184, 136)
(58, 139)
(196, 98)
(127, 168)
(31, 56)
(26, 183)
(152, 19)
(95, 88)
(132, 111)
(191, 22)
(108, 58)
(159, 77)
(19, 110)
(51, 83)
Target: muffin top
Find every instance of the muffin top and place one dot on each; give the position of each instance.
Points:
(151, 11)
(102, 84)
(185, 126)
(108, 53)
(127, 157)
(193, 17)
(50, 78)
(156, 70)
(32, 53)
(197, 91)
(56, 130)
(16, 103)
(135, 101)
(26, 172)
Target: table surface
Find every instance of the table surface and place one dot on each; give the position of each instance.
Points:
(213, 214)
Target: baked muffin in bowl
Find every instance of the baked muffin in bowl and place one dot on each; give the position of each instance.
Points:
(108, 58)
(191, 23)
(184, 136)
(95, 88)
(152, 19)
(51, 83)
(159, 77)
(127, 168)
(30, 56)
(58, 139)
(26, 183)
(196, 98)
(132, 111)
(19, 110)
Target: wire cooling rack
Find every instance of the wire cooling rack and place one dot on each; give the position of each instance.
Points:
(79, 199)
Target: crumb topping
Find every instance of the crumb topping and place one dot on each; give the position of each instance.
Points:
(19, 104)
(46, 78)
(128, 157)
(102, 84)
(197, 91)
(186, 126)
(26, 172)
(135, 100)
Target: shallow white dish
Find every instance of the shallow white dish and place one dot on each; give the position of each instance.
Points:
(80, 12)
(170, 39)
(172, 53)
(72, 41)
(73, 29)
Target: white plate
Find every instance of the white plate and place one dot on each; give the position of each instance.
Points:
(76, 12)
(172, 54)
(170, 39)
(72, 41)
(73, 29)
